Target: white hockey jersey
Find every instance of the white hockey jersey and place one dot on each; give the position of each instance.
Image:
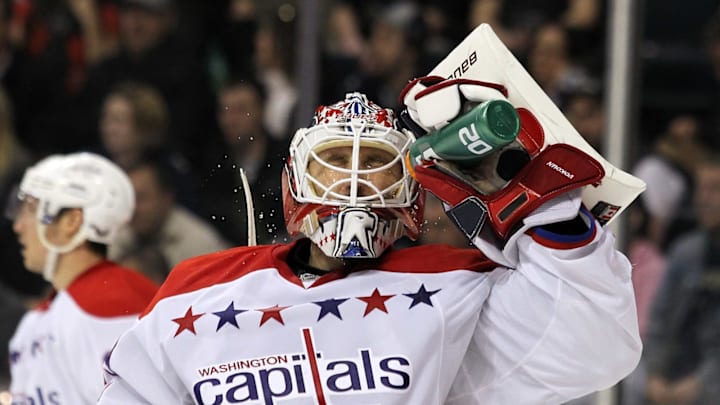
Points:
(57, 351)
(423, 325)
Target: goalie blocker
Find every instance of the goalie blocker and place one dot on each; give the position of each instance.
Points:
(548, 158)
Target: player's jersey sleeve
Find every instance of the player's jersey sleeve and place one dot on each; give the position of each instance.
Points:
(560, 325)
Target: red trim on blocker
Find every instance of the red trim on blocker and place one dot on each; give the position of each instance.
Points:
(437, 86)
(413, 82)
(435, 83)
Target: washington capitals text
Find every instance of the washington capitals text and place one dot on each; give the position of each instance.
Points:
(302, 375)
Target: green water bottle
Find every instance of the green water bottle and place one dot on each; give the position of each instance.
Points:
(470, 137)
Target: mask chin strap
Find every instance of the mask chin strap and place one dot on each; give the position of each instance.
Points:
(55, 251)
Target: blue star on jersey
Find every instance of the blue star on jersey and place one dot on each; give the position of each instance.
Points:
(228, 316)
(330, 306)
(422, 296)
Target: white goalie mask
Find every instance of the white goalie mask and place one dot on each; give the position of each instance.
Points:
(345, 185)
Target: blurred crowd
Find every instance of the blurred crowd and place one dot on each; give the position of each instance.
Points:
(183, 93)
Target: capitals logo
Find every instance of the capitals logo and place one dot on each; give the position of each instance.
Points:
(308, 374)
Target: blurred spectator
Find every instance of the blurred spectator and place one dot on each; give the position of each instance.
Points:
(14, 159)
(515, 22)
(585, 22)
(343, 48)
(234, 35)
(259, 43)
(667, 171)
(648, 271)
(514, 30)
(648, 264)
(438, 228)
(160, 223)
(245, 144)
(152, 51)
(442, 31)
(150, 261)
(394, 52)
(344, 37)
(585, 111)
(133, 120)
(683, 345)
(392, 56)
(55, 43)
(551, 65)
(133, 124)
(274, 63)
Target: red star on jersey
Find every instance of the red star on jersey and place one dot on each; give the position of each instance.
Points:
(272, 313)
(375, 301)
(187, 322)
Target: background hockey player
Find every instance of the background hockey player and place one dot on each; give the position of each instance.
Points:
(341, 317)
(68, 210)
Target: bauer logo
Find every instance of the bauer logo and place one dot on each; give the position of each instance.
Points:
(307, 374)
(464, 66)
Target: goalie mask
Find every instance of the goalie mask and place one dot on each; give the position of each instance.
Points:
(345, 185)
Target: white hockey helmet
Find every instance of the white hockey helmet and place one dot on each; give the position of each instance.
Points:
(343, 221)
(81, 180)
